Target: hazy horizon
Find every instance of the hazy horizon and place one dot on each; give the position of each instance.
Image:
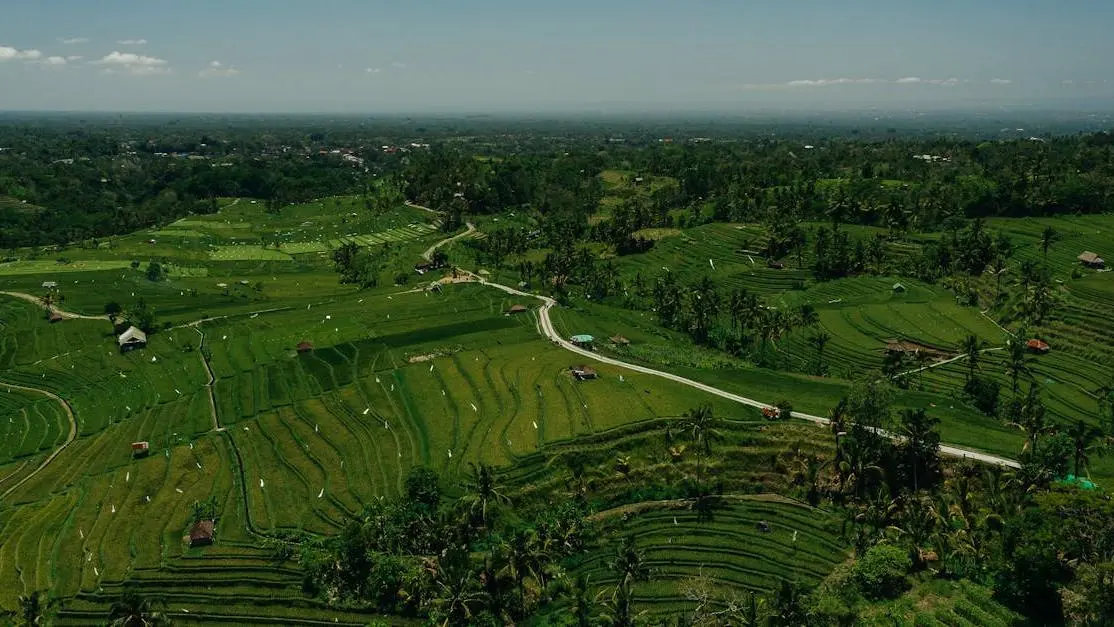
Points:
(502, 57)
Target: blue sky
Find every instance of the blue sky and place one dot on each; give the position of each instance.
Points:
(378, 56)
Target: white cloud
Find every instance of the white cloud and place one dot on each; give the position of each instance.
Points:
(134, 63)
(1000, 81)
(398, 65)
(916, 80)
(217, 69)
(372, 70)
(74, 57)
(827, 82)
(54, 61)
(75, 40)
(8, 53)
(132, 42)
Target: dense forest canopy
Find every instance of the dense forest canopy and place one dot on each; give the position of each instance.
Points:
(66, 182)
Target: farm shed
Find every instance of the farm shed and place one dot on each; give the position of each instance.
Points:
(899, 288)
(619, 340)
(776, 265)
(132, 339)
(304, 347)
(582, 340)
(140, 449)
(50, 285)
(55, 317)
(517, 309)
(1091, 260)
(201, 534)
(1037, 346)
(583, 372)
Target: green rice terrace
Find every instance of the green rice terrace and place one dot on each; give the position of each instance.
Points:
(291, 404)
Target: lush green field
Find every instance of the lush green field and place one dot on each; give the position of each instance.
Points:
(396, 379)
(297, 442)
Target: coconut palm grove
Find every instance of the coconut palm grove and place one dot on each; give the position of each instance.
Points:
(556, 371)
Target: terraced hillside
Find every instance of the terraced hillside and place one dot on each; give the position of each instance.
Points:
(751, 544)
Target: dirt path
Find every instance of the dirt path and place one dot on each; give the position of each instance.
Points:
(212, 379)
(946, 362)
(69, 439)
(69, 315)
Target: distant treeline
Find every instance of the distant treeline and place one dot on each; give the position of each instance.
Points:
(66, 183)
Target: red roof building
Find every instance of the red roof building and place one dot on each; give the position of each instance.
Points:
(1037, 346)
(304, 347)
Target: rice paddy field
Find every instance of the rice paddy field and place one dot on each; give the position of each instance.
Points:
(731, 550)
(289, 440)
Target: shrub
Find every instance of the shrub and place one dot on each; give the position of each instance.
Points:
(881, 572)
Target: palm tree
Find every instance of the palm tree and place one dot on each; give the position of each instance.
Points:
(1016, 362)
(629, 562)
(1031, 420)
(837, 422)
(700, 423)
(1086, 439)
(704, 498)
(806, 472)
(619, 611)
(582, 601)
(133, 610)
(31, 609)
(819, 341)
(482, 491)
(1049, 236)
(513, 552)
(972, 348)
(457, 599)
(788, 609)
(807, 316)
(916, 524)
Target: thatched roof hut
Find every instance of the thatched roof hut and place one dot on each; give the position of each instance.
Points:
(201, 534)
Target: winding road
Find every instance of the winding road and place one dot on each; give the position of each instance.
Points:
(428, 254)
(545, 324)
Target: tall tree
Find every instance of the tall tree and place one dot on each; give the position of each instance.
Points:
(1049, 236)
(819, 341)
(1017, 362)
(482, 491)
(919, 451)
(1086, 439)
(971, 347)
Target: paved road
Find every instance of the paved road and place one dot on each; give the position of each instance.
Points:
(547, 328)
(428, 254)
